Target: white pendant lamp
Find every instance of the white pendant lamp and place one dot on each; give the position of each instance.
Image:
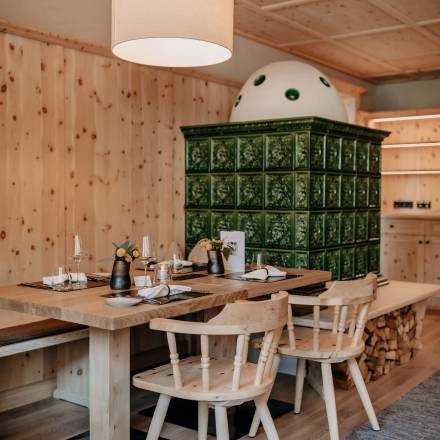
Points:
(173, 33)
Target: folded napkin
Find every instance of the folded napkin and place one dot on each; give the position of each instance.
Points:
(56, 279)
(263, 274)
(162, 290)
(78, 277)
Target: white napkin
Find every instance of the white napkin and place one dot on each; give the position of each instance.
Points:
(78, 277)
(162, 290)
(56, 279)
(263, 274)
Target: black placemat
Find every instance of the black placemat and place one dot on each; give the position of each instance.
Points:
(238, 276)
(91, 283)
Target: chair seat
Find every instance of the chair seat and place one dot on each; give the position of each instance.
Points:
(327, 345)
(161, 380)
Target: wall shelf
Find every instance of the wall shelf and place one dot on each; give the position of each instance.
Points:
(408, 172)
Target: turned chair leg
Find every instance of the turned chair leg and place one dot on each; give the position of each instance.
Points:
(363, 393)
(159, 417)
(266, 419)
(221, 423)
(202, 427)
(299, 384)
(330, 402)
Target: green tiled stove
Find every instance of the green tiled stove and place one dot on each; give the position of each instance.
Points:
(305, 190)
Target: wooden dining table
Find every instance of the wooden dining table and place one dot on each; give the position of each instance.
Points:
(109, 337)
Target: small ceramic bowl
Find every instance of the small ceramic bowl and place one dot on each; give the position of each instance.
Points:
(122, 301)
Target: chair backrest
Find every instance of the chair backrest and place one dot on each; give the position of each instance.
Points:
(350, 301)
(239, 319)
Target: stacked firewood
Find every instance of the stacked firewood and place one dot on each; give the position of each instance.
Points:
(390, 340)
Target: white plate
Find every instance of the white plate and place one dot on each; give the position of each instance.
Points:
(122, 301)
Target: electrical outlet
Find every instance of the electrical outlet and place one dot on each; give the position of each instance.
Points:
(424, 204)
(403, 204)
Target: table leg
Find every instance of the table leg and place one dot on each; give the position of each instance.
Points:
(109, 384)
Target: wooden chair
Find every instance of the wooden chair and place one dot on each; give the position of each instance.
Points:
(220, 382)
(344, 342)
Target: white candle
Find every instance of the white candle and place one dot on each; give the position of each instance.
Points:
(146, 246)
(77, 251)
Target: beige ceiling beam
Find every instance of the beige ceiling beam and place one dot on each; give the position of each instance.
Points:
(399, 15)
(286, 4)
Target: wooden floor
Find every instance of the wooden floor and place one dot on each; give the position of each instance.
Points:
(55, 420)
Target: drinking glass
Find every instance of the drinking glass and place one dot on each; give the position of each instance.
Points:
(61, 280)
(259, 260)
(162, 274)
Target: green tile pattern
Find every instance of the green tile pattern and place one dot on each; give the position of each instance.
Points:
(306, 190)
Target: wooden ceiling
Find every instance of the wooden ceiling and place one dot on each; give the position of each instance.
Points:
(377, 40)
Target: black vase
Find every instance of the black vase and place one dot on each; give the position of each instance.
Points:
(215, 262)
(120, 279)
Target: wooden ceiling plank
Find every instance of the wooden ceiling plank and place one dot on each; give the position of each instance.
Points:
(319, 35)
(286, 4)
(399, 15)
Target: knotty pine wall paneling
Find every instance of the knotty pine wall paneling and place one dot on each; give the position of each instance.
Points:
(91, 144)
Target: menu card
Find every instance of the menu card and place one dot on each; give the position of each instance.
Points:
(235, 239)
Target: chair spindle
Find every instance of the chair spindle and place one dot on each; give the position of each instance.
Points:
(341, 331)
(291, 328)
(316, 328)
(353, 320)
(264, 355)
(246, 348)
(174, 358)
(336, 319)
(204, 361)
(238, 362)
(362, 318)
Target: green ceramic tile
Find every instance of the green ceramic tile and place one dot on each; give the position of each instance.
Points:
(252, 224)
(279, 229)
(333, 153)
(347, 191)
(317, 260)
(279, 152)
(197, 155)
(347, 263)
(197, 191)
(361, 185)
(348, 155)
(362, 159)
(361, 226)
(301, 260)
(223, 154)
(279, 191)
(332, 191)
(222, 221)
(250, 153)
(280, 258)
(374, 225)
(301, 234)
(333, 262)
(347, 227)
(223, 191)
(309, 191)
(374, 257)
(302, 148)
(375, 151)
(333, 228)
(374, 201)
(317, 230)
(250, 191)
(197, 224)
(317, 151)
(361, 261)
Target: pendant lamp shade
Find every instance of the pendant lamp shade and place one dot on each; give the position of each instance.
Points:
(173, 33)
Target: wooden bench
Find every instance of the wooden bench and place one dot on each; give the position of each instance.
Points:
(21, 333)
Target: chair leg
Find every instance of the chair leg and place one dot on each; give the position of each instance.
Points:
(202, 427)
(330, 402)
(221, 423)
(266, 419)
(363, 393)
(299, 384)
(159, 417)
